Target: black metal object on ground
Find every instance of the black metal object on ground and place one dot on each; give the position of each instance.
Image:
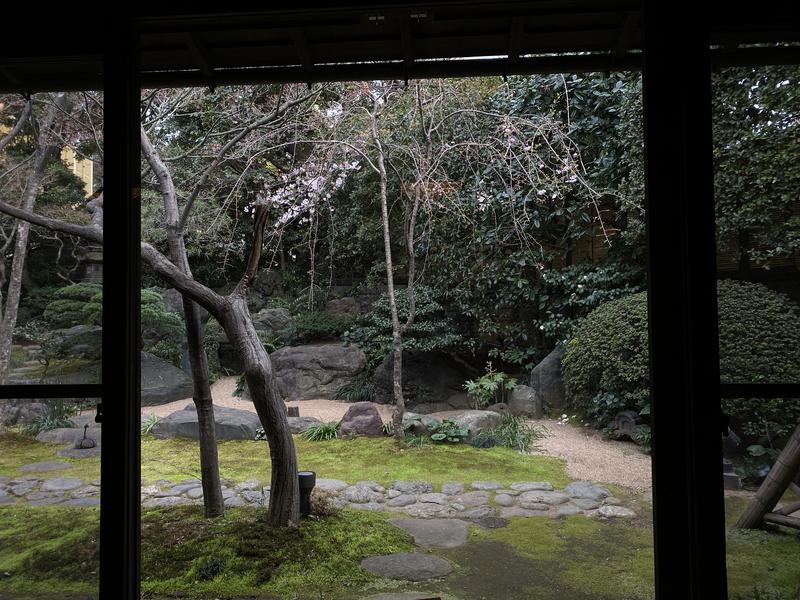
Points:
(307, 481)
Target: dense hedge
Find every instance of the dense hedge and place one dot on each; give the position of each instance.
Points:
(606, 369)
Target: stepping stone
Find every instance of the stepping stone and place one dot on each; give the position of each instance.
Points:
(491, 522)
(452, 488)
(472, 498)
(402, 500)
(434, 498)
(411, 566)
(486, 485)
(479, 512)
(434, 533)
(530, 486)
(567, 510)
(165, 501)
(234, 501)
(534, 505)
(6, 500)
(45, 467)
(615, 512)
(370, 506)
(504, 500)
(585, 503)
(256, 497)
(61, 484)
(516, 511)
(47, 501)
(79, 452)
(391, 494)
(331, 485)
(360, 495)
(22, 489)
(85, 502)
(373, 485)
(586, 489)
(195, 493)
(428, 510)
(249, 485)
(412, 487)
(552, 498)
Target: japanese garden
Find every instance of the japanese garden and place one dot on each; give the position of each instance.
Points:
(394, 338)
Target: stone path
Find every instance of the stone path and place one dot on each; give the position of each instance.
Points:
(485, 503)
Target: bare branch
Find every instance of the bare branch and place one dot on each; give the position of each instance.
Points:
(23, 117)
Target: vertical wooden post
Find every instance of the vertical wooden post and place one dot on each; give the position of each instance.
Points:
(121, 460)
(684, 347)
(778, 480)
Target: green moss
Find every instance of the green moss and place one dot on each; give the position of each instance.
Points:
(17, 450)
(322, 557)
(49, 548)
(353, 460)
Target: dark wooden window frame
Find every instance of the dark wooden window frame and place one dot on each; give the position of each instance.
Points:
(687, 490)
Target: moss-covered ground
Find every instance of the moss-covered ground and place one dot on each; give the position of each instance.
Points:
(43, 549)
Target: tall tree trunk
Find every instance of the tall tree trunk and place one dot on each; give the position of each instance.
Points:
(44, 152)
(213, 502)
(397, 335)
(284, 500)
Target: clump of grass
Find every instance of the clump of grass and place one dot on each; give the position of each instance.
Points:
(58, 415)
(511, 433)
(148, 423)
(360, 390)
(322, 431)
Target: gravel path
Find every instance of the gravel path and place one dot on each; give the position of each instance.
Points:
(588, 455)
(593, 458)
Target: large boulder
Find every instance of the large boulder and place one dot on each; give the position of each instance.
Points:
(315, 370)
(427, 377)
(524, 402)
(476, 421)
(346, 307)
(361, 418)
(546, 380)
(163, 382)
(274, 321)
(69, 435)
(21, 412)
(173, 302)
(230, 423)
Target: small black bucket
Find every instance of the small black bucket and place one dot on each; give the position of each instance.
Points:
(307, 481)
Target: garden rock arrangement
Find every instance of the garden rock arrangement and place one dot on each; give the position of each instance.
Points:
(315, 370)
(162, 382)
(486, 503)
(230, 423)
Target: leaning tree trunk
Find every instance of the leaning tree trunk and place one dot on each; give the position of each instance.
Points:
(44, 151)
(213, 501)
(284, 490)
(778, 480)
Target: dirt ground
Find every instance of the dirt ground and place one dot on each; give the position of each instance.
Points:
(588, 455)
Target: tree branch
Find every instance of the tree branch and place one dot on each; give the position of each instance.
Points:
(26, 111)
(204, 296)
(279, 110)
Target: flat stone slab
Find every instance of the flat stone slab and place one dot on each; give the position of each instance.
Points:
(434, 533)
(61, 484)
(529, 486)
(516, 511)
(486, 485)
(586, 489)
(491, 522)
(615, 512)
(332, 485)
(45, 467)
(79, 452)
(412, 487)
(411, 566)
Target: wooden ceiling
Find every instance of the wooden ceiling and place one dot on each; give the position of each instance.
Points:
(363, 40)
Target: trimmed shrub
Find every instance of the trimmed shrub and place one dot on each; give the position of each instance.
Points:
(163, 332)
(76, 304)
(606, 368)
(316, 325)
